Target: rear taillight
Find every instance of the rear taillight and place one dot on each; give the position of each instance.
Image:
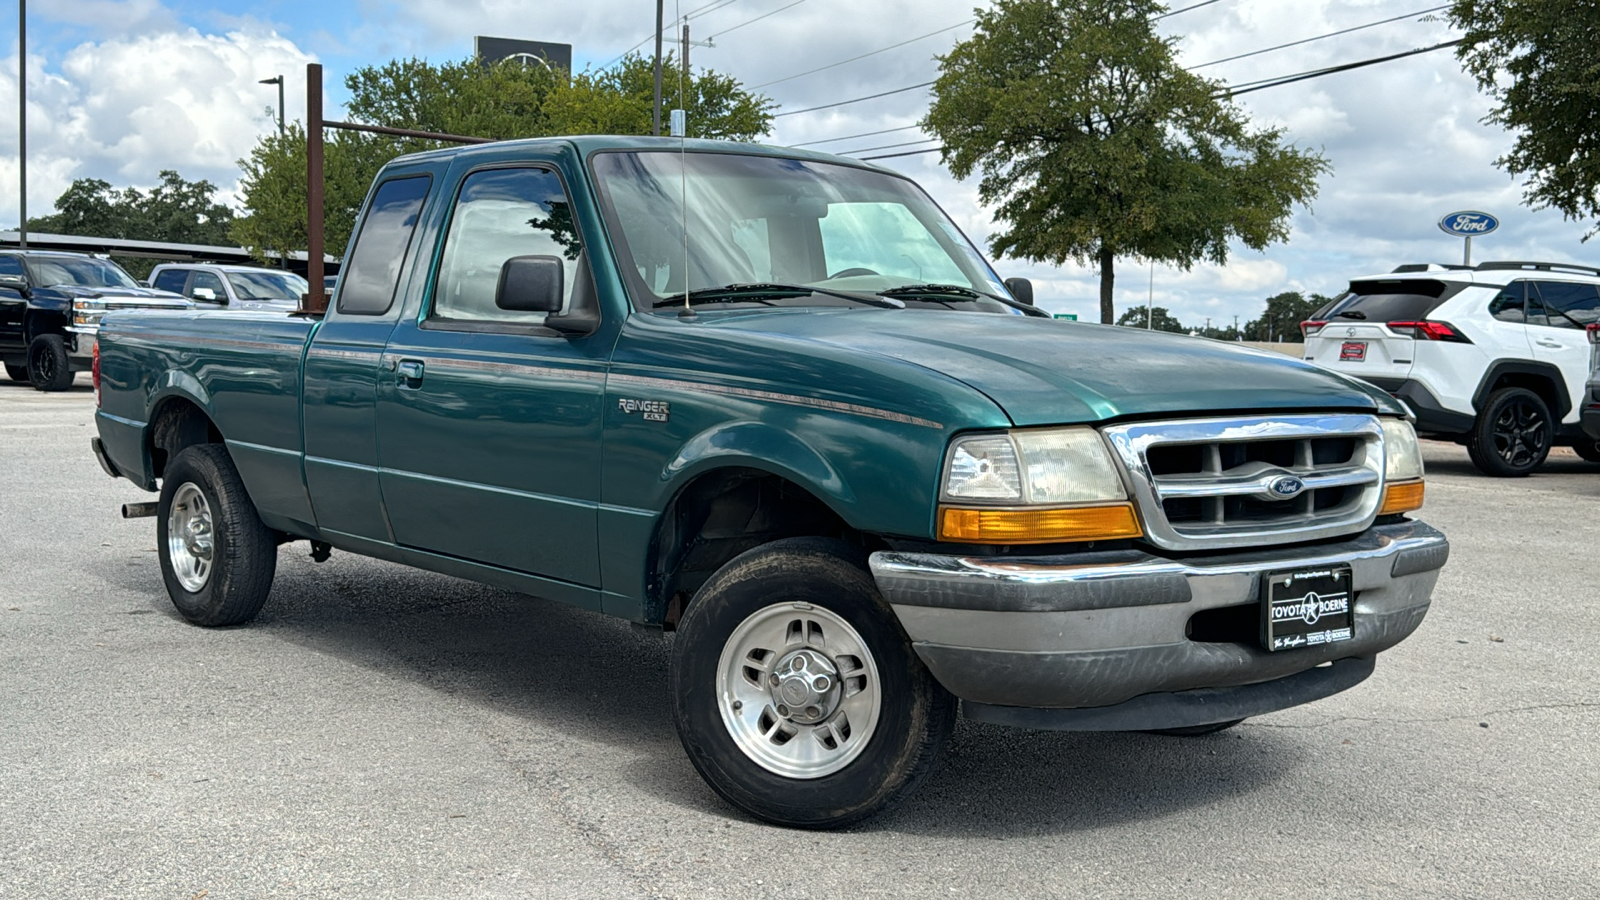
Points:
(94, 370)
(1429, 331)
(1311, 326)
(1594, 333)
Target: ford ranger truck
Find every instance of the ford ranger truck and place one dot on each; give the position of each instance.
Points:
(774, 402)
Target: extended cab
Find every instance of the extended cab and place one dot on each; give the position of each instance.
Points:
(50, 309)
(774, 401)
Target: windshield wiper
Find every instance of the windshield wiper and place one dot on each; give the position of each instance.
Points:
(767, 291)
(942, 292)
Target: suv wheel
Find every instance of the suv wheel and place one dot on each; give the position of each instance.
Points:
(796, 694)
(48, 366)
(1511, 436)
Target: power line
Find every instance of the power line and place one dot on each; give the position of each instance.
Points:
(1420, 12)
(848, 137)
(1251, 86)
(864, 55)
(885, 146)
(753, 21)
(796, 112)
(708, 8)
(1173, 12)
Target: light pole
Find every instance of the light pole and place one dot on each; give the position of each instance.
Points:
(22, 118)
(277, 80)
(655, 126)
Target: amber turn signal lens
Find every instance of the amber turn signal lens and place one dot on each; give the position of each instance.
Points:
(1403, 497)
(1038, 526)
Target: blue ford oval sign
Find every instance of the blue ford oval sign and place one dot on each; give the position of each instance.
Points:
(1468, 224)
(1286, 487)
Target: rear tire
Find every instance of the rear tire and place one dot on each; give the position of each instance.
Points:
(855, 721)
(49, 368)
(17, 373)
(1195, 730)
(217, 559)
(1589, 449)
(1512, 434)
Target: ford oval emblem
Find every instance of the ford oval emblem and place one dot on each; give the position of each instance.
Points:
(1468, 223)
(1286, 487)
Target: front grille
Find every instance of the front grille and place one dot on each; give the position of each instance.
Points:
(1203, 483)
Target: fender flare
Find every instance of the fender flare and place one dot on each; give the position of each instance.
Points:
(1547, 371)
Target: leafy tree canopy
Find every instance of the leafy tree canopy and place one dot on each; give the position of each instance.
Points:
(503, 100)
(1537, 59)
(1093, 143)
(1162, 320)
(1282, 317)
(176, 210)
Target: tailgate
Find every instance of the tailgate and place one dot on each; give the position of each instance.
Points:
(1363, 350)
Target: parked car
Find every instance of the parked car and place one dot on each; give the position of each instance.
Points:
(1591, 406)
(212, 286)
(50, 309)
(857, 476)
(1492, 356)
(329, 282)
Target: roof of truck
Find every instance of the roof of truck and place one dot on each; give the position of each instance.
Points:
(587, 144)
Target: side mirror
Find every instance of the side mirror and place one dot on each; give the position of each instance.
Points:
(1021, 288)
(530, 284)
(16, 283)
(206, 294)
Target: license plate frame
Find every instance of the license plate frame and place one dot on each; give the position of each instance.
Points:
(1353, 351)
(1307, 607)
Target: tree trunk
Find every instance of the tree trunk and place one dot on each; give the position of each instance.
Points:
(1108, 313)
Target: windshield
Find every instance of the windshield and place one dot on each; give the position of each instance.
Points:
(268, 286)
(82, 271)
(768, 221)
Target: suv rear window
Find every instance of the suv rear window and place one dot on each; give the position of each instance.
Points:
(1395, 300)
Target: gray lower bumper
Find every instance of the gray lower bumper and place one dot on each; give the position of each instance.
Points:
(1096, 630)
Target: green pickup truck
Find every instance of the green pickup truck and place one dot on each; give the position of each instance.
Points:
(774, 401)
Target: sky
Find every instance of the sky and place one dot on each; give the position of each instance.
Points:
(122, 90)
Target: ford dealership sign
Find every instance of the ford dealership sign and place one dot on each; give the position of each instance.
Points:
(1468, 224)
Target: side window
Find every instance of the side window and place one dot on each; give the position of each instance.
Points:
(11, 265)
(207, 288)
(170, 280)
(1565, 304)
(373, 272)
(1507, 305)
(499, 214)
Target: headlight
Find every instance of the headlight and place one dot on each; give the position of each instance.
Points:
(1402, 468)
(1034, 487)
(87, 312)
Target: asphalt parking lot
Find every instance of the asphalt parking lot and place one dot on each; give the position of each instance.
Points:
(382, 732)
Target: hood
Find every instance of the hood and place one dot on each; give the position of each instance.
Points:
(142, 297)
(1043, 371)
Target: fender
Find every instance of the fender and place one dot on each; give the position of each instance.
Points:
(752, 445)
(178, 383)
(1548, 371)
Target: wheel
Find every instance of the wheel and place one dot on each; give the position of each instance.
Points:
(1511, 436)
(49, 369)
(847, 273)
(1196, 730)
(17, 373)
(1589, 449)
(216, 557)
(796, 694)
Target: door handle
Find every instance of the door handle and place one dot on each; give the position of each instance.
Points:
(410, 371)
(1554, 345)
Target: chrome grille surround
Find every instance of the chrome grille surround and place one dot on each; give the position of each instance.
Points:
(1351, 488)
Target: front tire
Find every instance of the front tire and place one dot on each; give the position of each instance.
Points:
(796, 695)
(1512, 434)
(217, 559)
(49, 367)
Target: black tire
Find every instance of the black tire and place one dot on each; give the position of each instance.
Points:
(1196, 730)
(1588, 448)
(915, 713)
(49, 368)
(244, 553)
(17, 373)
(1512, 434)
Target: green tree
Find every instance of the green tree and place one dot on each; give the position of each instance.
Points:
(1163, 321)
(175, 210)
(1282, 317)
(504, 100)
(1093, 143)
(1536, 59)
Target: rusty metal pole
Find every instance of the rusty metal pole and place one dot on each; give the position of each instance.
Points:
(655, 127)
(317, 300)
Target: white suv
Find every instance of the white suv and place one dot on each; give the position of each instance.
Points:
(1493, 356)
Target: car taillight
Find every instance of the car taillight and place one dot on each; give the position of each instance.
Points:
(1430, 331)
(1594, 333)
(94, 370)
(1311, 326)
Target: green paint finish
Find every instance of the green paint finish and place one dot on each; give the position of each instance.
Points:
(543, 462)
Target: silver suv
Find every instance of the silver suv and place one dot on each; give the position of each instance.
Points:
(213, 286)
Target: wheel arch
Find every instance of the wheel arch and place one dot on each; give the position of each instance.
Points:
(1542, 378)
(178, 419)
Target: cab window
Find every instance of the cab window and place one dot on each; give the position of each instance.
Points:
(373, 272)
(502, 213)
(206, 287)
(1563, 304)
(1507, 305)
(170, 280)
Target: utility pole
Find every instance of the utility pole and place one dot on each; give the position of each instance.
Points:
(1150, 300)
(655, 123)
(686, 42)
(22, 118)
(1236, 335)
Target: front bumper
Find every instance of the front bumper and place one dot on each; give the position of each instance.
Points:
(1075, 633)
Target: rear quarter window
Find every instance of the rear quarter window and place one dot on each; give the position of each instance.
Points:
(380, 249)
(1396, 300)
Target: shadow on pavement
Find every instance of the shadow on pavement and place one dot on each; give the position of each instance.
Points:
(600, 679)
